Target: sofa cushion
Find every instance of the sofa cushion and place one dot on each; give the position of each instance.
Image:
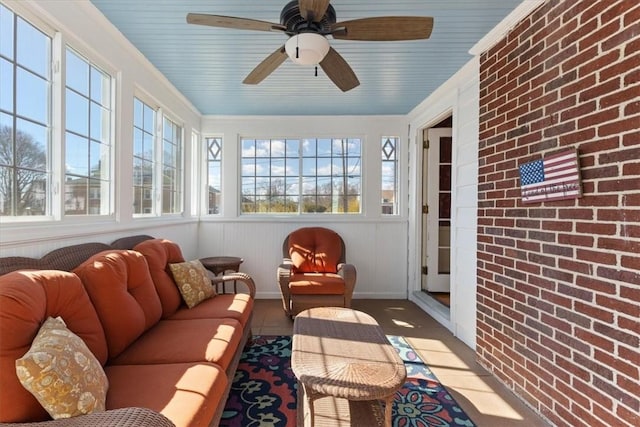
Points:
(315, 249)
(159, 253)
(186, 393)
(316, 284)
(27, 299)
(62, 373)
(233, 306)
(192, 281)
(195, 340)
(121, 289)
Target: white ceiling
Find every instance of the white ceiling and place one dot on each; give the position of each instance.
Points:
(208, 64)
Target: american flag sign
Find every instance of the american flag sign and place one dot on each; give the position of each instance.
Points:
(556, 177)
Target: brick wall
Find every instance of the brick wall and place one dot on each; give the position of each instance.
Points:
(559, 282)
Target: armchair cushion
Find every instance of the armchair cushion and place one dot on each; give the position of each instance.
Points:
(315, 250)
(316, 284)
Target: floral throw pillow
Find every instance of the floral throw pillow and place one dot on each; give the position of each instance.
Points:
(62, 373)
(193, 282)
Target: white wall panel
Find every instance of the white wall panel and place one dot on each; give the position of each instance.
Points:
(377, 249)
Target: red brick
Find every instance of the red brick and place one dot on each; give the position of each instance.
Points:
(594, 312)
(621, 126)
(599, 90)
(601, 116)
(632, 15)
(601, 34)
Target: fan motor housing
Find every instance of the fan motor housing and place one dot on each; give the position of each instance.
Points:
(291, 18)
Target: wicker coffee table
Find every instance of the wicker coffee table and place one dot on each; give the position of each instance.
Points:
(344, 353)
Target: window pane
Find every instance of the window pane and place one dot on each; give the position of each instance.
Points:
(33, 49)
(100, 87)
(32, 93)
(137, 113)
(76, 194)
(6, 86)
(100, 123)
(32, 190)
(99, 160)
(77, 113)
(389, 175)
(6, 140)
(6, 32)
(77, 155)
(77, 73)
(214, 174)
(33, 142)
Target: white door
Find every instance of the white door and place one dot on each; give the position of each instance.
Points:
(436, 209)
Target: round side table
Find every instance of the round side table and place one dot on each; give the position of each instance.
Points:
(221, 264)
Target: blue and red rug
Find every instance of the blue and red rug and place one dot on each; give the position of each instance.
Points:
(263, 392)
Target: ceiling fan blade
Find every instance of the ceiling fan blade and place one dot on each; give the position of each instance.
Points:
(337, 69)
(313, 10)
(233, 22)
(384, 28)
(266, 67)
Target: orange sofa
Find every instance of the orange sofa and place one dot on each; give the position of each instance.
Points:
(166, 364)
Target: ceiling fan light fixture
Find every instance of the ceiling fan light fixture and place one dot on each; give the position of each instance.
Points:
(307, 48)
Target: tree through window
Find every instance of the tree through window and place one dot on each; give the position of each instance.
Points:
(25, 90)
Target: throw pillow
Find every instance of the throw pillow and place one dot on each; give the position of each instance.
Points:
(193, 282)
(62, 373)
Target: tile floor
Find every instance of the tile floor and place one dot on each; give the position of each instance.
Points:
(483, 398)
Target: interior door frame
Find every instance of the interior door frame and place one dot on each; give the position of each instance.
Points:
(432, 280)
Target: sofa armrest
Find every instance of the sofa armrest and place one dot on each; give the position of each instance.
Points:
(123, 417)
(283, 274)
(348, 273)
(236, 277)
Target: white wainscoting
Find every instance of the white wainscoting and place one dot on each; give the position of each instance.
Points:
(378, 249)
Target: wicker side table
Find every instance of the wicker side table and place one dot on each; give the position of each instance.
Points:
(221, 264)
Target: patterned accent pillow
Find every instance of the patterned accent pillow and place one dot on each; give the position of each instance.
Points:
(193, 282)
(62, 373)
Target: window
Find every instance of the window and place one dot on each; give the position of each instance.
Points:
(315, 175)
(87, 138)
(214, 175)
(144, 120)
(171, 167)
(389, 151)
(25, 90)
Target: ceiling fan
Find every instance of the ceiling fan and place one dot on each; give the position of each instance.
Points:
(308, 23)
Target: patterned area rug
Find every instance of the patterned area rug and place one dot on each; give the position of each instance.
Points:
(263, 393)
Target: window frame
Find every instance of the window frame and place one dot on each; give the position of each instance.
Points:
(157, 189)
(396, 183)
(56, 170)
(205, 184)
(179, 185)
(101, 66)
(300, 212)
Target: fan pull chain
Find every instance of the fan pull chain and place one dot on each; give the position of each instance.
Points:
(316, 71)
(297, 49)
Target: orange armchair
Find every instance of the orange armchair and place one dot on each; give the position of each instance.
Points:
(314, 272)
